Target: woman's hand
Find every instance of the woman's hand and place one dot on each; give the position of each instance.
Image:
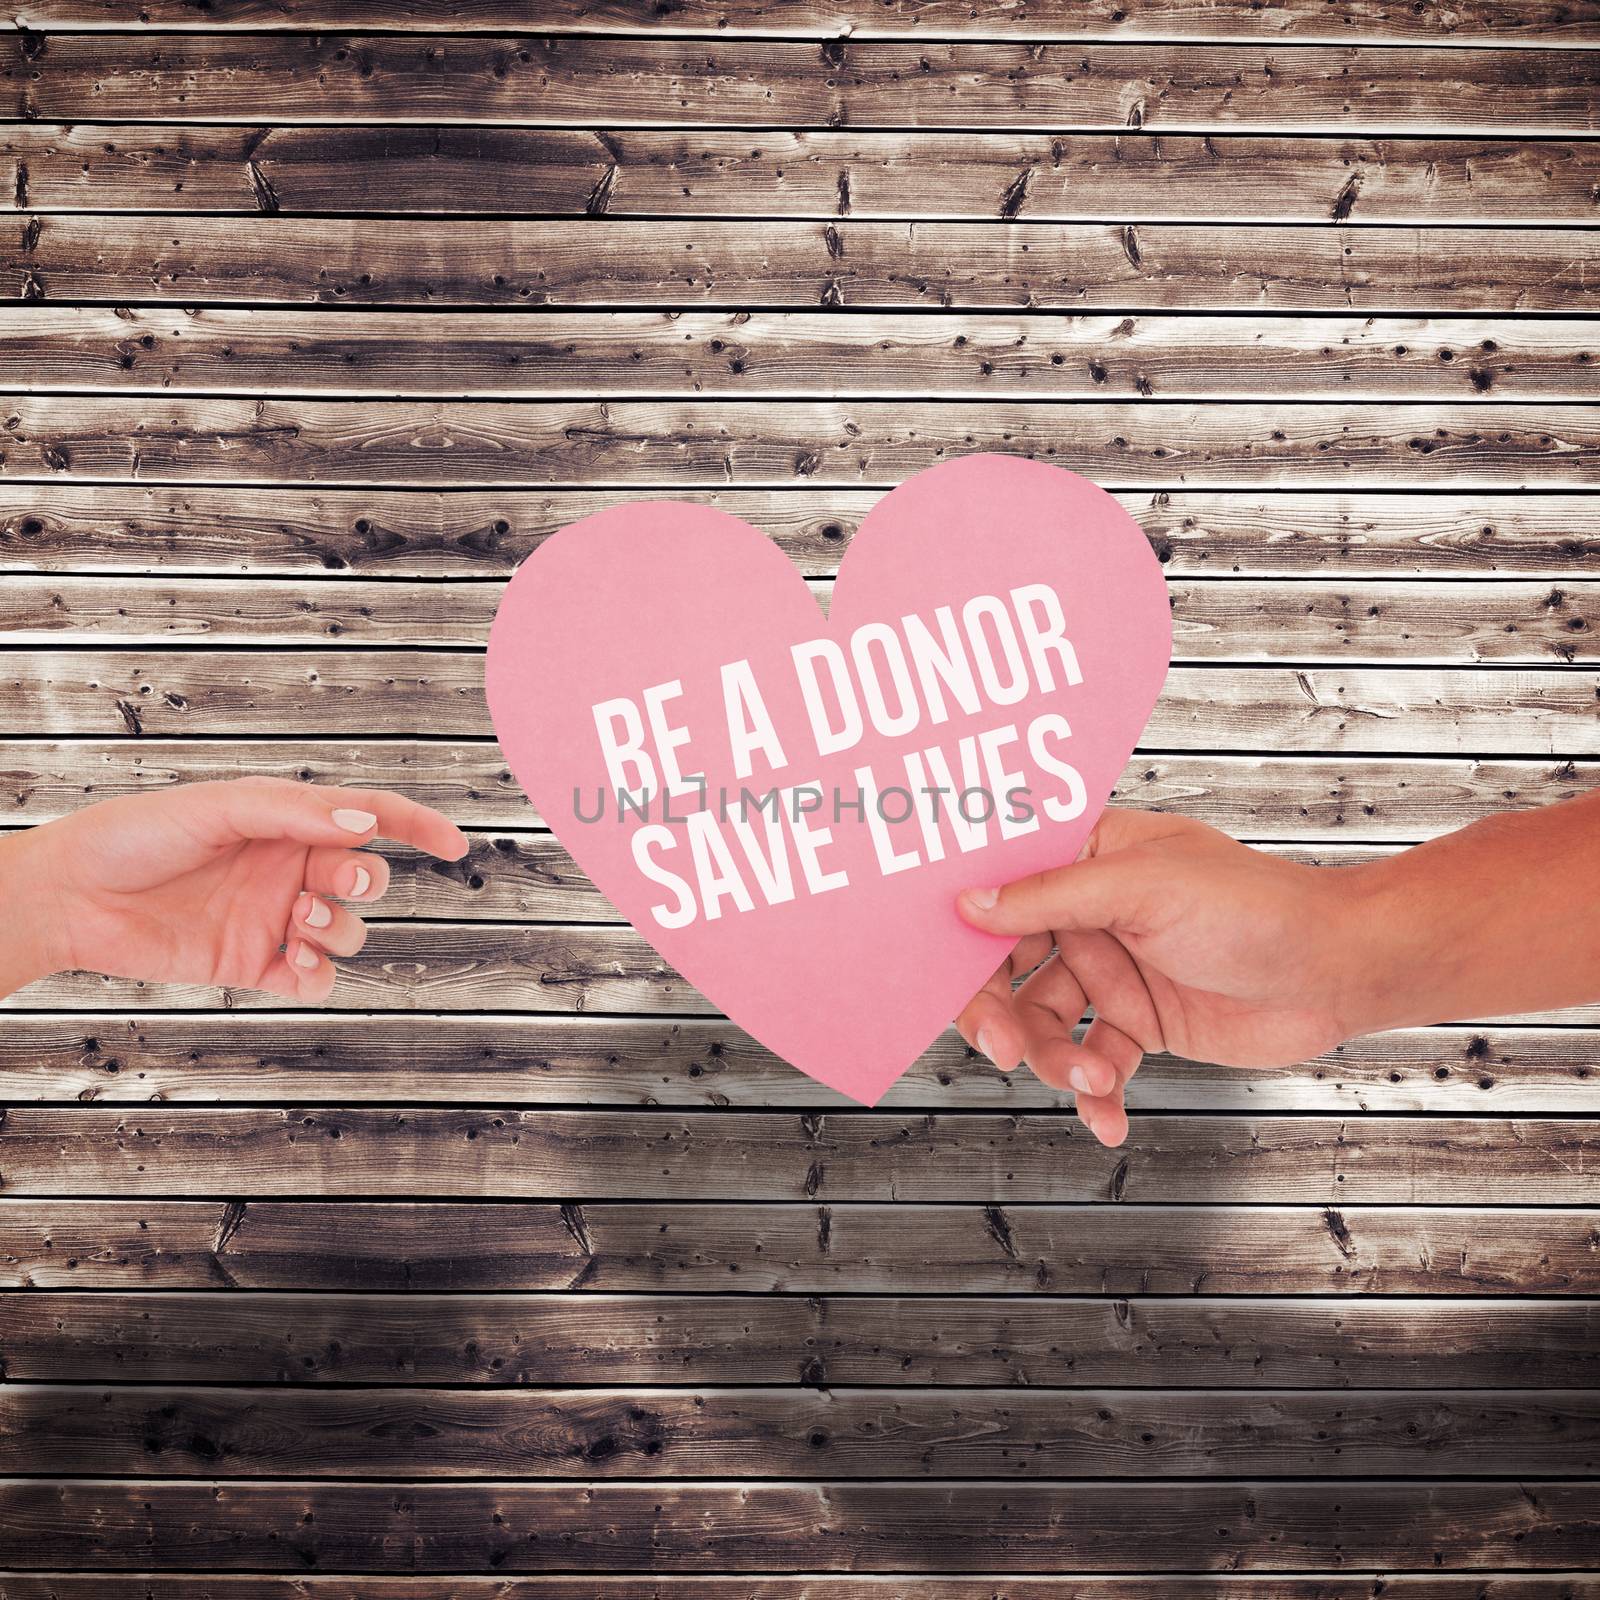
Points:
(230, 884)
(1182, 940)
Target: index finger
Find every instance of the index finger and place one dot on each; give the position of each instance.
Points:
(409, 822)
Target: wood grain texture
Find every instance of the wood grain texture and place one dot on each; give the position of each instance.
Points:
(742, 266)
(850, 1527)
(636, 76)
(306, 305)
(1259, 797)
(1048, 1342)
(838, 1433)
(1148, 177)
(1183, 18)
(317, 1059)
(684, 443)
(1548, 710)
(747, 1248)
(995, 356)
(543, 969)
(64, 527)
(1320, 621)
(1235, 1586)
(618, 1155)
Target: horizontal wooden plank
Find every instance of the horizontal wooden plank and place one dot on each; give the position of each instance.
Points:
(837, 1433)
(744, 265)
(937, 18)
(317, 1058)
(1202, 18)
(994, 356)
(797, 1249)
(943, 81)
(1238, 1343)
(1417, 623)
(686, 443)
(65, 527)
(617, 1155)
(853, 1527)
(1322, 620)
(547, 969)
(345, 693)
(1126, 176)
(1263, 798)
(1234, 1586)
(1256, 797)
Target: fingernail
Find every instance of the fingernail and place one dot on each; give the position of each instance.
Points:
(355, 821)
(362, 883)
(983, 899)
(1079, 1080)
(305, 957)
(986, 1044)
(317, 914)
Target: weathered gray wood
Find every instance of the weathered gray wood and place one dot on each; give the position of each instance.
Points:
(1240, 1343)
(1235, 1586)
(1064, 171)
(1231, 621)
(743, 265)
(1255, 797)
(683, 443)
(1418, 623)
(853, 1527)
(688, 1156)
(547, 968)
(837, 1433)
(318, 1058)
(356, 693)
(797, 1249)
(56, 526)
(995, 356)
(858, 82)
(1071, 177)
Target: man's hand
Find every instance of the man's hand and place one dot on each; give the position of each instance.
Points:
(231, 884)
(1180, 939)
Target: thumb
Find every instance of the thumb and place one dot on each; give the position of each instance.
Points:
(1107, 891)
(280, 808)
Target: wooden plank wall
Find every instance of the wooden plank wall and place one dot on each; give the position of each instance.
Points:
(515, 1274)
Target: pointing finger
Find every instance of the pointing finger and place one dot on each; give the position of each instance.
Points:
(280, 808)
(405, 820)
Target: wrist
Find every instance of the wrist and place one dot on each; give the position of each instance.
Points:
(1408, 934)
(30, 946)
(1367, 942)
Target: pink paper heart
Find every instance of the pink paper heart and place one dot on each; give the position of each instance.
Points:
(851, 982)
